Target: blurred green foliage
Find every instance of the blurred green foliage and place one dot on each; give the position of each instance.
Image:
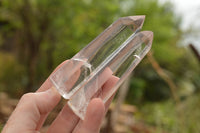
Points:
(11, 74)
(37, 35)
(44, 33)
(165, 116)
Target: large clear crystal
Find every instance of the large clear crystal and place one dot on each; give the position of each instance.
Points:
(115, 52)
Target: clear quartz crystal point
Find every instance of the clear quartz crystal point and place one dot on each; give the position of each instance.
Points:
(114, 53)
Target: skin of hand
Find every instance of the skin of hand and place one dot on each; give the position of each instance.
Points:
(33, 109)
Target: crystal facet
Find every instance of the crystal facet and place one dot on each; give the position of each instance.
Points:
(115, 52)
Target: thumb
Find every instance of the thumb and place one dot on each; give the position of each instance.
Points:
(29, 110)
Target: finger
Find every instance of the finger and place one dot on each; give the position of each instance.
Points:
(48, 84)
(65, 121)
(106, 89)
(93, 118)
(69, 68)
(30, 109)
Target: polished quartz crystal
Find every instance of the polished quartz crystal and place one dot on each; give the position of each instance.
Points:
(115, 52)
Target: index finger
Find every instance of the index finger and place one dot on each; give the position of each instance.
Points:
(48, 84)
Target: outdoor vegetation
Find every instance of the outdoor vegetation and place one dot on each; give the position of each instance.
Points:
(37, 35)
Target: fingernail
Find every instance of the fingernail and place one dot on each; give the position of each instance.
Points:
(52, 91)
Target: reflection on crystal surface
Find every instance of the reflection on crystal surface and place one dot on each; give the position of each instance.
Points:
(114, 53)
(111, 45)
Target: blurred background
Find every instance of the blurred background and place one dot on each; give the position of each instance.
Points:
(161, 96)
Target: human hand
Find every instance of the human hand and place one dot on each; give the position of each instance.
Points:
(33, 109)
